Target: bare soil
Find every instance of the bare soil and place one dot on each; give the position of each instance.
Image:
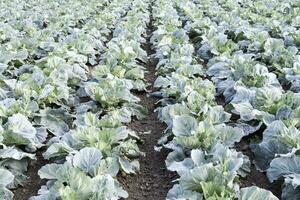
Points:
(153, 180)
(34, 182)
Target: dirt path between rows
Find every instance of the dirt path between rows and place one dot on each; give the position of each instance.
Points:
(153, 180)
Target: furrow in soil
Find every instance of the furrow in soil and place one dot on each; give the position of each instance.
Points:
(153, 180)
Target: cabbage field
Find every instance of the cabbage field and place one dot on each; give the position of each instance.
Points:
(150, 100)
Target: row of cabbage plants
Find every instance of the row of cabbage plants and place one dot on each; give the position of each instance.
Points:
(26, 86)
(259, 53)
(101, 146)
(200, 102)
(49, 85)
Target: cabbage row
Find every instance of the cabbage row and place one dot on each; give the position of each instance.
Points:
(228, 69)
(98, 149)
(29, 79)
(267, 93)
(65, 84)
